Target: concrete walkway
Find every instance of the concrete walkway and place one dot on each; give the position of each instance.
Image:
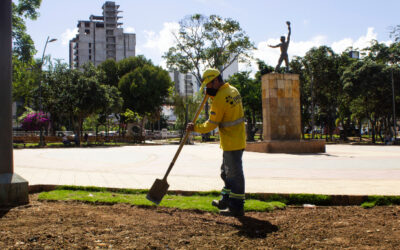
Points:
(342, 170)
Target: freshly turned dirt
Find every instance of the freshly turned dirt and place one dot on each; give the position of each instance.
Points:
(55, 225)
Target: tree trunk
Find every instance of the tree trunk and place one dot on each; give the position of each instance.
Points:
(250, 129)
(373, 131)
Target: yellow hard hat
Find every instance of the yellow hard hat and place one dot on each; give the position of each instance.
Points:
(209, 75)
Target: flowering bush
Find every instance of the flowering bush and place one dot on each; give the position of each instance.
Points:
(33, 121)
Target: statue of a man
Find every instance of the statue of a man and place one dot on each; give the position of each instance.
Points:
(284, 45)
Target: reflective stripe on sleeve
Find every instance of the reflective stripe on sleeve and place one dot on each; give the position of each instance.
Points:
(231, 123)
(216, 123)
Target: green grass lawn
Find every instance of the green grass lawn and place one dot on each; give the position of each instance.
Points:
(194, 202)
(198, 200)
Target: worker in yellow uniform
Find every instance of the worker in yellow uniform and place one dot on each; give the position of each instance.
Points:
(227, 114)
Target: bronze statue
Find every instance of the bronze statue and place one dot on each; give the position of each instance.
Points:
(284, 45)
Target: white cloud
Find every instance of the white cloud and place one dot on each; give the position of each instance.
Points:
(361, 43)
(162, 40)
(157, 43)
(342, 45)
(129, 30)
(68, 35)
(365, 41)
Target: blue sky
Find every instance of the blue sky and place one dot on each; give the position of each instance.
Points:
(336, 23)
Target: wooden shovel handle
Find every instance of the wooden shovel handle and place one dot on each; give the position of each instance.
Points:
(185, 137)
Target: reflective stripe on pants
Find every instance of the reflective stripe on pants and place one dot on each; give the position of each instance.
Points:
(232, 175)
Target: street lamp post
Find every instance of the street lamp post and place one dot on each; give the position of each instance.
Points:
(187, 82)
(312, 107)
(41, 142)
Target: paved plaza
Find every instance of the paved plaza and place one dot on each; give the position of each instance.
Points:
(343, 169)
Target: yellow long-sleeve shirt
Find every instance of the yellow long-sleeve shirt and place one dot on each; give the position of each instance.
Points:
(226, 113)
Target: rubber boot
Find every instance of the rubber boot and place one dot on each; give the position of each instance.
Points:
(221, 204)
(235, 208)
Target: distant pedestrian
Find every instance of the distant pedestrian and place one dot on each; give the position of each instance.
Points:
(76, 139)
(65, 140)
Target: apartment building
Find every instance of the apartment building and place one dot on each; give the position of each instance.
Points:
(100, 38)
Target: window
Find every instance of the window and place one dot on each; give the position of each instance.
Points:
(87, 25)
(110, 39)
(90, 45)
(90, 51)
(87, 32)
(90, 57)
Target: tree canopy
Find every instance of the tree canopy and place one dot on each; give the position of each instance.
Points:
(207, 41)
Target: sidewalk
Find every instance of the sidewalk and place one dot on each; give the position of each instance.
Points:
(342, 170)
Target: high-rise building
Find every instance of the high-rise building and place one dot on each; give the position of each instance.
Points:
(184, 83)
(100, 38)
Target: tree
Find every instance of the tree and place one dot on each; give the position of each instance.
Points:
(345, 117)
(23, 48)
(395, 32)
(25, 78)
(72, 95)
(297, 67)
(321, 68)
(180, 103)
(212, 41)
(108, 72)
(144, 87)
(388, 57)
(369, 84)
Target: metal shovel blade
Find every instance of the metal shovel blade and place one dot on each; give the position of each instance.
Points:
(157, 191)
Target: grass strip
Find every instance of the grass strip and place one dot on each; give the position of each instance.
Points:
(289, 199)
(194, 202)
(253, 198)
(378, 200)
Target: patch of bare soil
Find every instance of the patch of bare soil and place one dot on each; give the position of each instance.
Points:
(69, 225)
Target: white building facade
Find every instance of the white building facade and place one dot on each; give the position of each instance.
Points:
(101, 38)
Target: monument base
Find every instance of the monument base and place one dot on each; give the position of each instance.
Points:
(13, 190)
(288, 146)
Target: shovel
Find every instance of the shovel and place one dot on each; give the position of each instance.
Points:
(160, 187)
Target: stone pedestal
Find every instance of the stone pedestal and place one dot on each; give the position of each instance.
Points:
(282, 118)
(13, 190)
